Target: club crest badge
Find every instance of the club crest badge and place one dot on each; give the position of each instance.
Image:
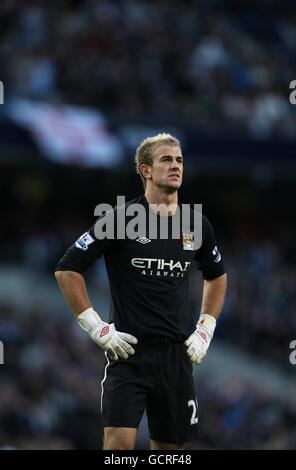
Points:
(188, 241)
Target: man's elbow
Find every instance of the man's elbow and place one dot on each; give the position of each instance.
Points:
(59, 276)
(219, 282)
(222, 282)
(222, 278)
(62, 275)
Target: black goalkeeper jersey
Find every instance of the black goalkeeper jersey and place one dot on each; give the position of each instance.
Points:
(148, 277)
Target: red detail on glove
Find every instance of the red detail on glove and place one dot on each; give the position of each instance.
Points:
(104, 331)
(202, 335)
(201, 322)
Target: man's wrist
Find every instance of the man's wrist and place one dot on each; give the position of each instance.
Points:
(208, 322)
(89, 319)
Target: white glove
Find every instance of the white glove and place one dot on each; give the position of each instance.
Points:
(198, 343)
(105, 335)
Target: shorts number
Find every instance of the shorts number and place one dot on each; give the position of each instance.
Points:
(194, 404)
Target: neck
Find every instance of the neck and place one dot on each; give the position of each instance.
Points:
(169, 201)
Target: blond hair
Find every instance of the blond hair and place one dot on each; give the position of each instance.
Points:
(144, 153)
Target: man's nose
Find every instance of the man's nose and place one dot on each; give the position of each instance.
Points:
(175, 165)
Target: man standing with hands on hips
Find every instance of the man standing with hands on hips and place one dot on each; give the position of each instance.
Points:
(153, 337)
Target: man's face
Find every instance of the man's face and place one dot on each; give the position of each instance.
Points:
(167, 168)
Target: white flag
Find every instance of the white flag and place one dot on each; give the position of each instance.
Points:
(68, 134)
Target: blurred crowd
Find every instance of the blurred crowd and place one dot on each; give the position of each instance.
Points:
(50, 394)
(224, 64)
(259, 311)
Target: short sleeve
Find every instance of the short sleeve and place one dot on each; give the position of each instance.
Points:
(208, 257)
(86, 250)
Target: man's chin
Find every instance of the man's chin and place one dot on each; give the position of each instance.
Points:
(171, 188)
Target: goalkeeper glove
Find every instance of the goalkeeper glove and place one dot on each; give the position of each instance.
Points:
(105, 335)
(198, 343)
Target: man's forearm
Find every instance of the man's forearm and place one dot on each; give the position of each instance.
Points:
(212, 301)
(213, 295)
(73, 288)
(116, 343)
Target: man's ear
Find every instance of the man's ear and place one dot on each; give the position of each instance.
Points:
(145, 170)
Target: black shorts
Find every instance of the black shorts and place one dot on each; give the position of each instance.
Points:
(157, 378)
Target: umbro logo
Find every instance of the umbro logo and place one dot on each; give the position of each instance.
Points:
(216, 254)
(143, 240)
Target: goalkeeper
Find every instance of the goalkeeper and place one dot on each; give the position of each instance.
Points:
(153, 337)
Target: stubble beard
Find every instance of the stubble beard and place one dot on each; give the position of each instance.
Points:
(170, 188)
